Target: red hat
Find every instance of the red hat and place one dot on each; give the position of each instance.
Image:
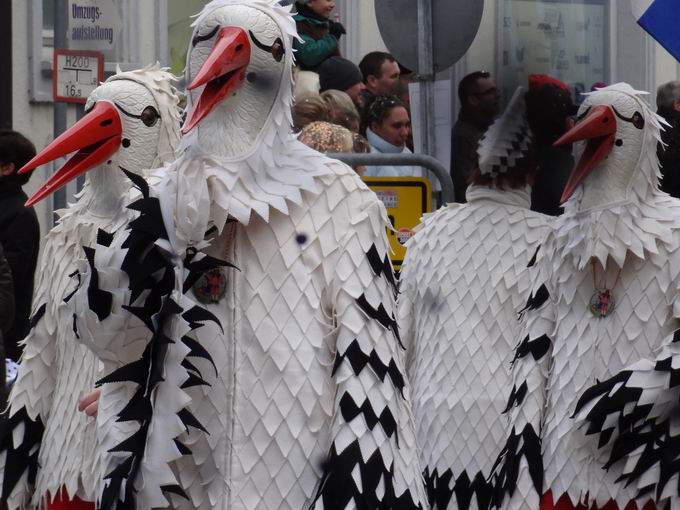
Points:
(536, 81)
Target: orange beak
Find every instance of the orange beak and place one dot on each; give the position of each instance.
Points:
(222, 72)
(599, 129)
(95, 137)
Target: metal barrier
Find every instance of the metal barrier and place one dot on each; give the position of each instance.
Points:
(428, 162)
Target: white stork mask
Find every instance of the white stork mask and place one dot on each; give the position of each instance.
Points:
(132, 122)
(238, 131)
(613, 202)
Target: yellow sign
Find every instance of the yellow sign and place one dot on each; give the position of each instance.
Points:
(406, 200)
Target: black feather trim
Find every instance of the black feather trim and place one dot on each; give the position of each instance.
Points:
(652, 442)
(189, 420)
(196, 269)
(358, 360)
(526, 444)
(69, 296)
(532, 262)
(197, 315)
(339, 491)
(536, 300)
(382, 267)
(537, 347)
(517, 396)
(137, 181)
(104, 238)
(39, 314)
(438, 489)
(350, 411)
(99, 301)
(21, 458)
(380, 315)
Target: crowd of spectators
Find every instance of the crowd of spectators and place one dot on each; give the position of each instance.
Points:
(342, 105)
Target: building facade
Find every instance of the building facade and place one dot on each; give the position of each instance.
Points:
(581, 42)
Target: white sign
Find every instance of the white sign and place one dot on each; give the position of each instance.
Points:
(77, 74)
(93, 24)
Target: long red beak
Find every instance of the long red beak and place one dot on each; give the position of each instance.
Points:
(95, 137)
(599, 129)
(221, 73)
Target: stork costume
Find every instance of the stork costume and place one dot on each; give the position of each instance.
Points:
(132, 123)
(463, 281)
(595, 396)
(277, 383)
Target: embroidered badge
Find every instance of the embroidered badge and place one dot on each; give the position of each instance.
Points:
(211, 287)
(602, 303)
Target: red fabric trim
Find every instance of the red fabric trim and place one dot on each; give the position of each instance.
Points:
(65, 504)
(564, 503)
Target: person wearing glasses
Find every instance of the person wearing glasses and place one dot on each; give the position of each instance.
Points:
(388, 128)
(479, 106)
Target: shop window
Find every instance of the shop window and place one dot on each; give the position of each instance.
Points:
(567, 39)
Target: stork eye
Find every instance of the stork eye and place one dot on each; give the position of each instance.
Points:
(277, 49)
(638, 120)
(88, 110)
(149, 116)
(198, 38)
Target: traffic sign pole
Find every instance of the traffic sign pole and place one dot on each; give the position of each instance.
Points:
(60, 29)
(426, 76)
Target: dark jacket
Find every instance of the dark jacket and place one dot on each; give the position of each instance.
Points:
(6, 313)
(319, 43)
(20, 238)
(465, 138)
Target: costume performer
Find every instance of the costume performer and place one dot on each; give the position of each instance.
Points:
(279, 384)
(50, 452)
(463, 281)
(598, 337)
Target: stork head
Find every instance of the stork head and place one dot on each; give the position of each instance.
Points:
(131, 121)
(238, 72)
(615, 132)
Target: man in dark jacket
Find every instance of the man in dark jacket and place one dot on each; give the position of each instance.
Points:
(668, 106)
(480, 104)
(320, 34)
(19, 232)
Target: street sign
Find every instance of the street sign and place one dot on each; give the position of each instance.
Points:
(95, 25)
(454, 26)
(76, 74)
(406, 200)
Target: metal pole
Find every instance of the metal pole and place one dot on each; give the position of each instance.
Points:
(426, 74)
(60, 109)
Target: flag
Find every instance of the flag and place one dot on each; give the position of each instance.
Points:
(661, 19)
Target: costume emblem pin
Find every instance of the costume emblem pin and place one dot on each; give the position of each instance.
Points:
(211, 287)
(602, 303)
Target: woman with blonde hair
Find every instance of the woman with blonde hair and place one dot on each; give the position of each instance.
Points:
(309, 108)
(342, 109)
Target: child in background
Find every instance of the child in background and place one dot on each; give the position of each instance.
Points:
(320, 34)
